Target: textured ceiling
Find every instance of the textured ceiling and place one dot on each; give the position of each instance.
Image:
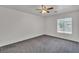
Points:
(32, 8)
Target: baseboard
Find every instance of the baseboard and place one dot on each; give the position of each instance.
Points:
(62, 38)
(36, 37)
(21, 40)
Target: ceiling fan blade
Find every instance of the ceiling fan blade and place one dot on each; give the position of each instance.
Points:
(50, 8)
(38, 9)
(47, 11)
(42, 6)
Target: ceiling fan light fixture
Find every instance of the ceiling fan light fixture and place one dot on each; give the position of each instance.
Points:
(44, 12)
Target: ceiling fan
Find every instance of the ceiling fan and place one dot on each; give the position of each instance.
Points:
(44, 9)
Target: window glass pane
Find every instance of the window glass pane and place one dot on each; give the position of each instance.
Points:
(64, 25)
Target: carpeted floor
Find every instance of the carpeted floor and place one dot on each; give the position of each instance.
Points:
(42, 44)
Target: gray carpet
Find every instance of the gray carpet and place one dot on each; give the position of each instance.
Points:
(42, 44)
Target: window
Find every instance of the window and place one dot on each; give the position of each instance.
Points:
(64, 25)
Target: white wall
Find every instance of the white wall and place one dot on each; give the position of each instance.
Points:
(17, 26)
(51, 26)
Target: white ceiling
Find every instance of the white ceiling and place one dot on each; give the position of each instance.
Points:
(32, 8)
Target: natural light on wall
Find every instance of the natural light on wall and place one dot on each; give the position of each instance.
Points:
(64, 25)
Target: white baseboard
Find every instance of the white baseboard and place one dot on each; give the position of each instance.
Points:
(63, 38)
(8, 43)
